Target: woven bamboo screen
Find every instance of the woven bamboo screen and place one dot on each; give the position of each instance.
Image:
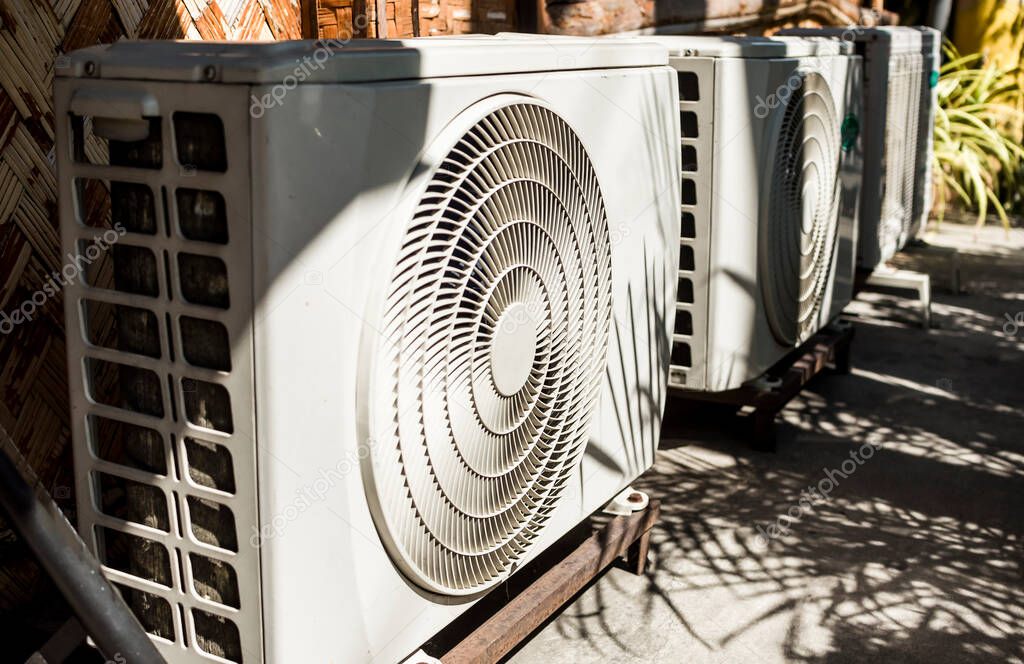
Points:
(33, 374)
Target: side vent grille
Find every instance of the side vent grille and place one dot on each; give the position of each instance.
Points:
(900, 152)
(911, 85)
(925, 144)
(165, 459)
(687, 359)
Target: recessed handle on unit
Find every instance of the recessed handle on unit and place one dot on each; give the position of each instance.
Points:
(117, 115)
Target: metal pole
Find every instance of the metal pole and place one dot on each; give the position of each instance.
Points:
(938, 14)
(76, 573)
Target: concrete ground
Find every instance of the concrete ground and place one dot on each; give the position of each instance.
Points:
(915, 556)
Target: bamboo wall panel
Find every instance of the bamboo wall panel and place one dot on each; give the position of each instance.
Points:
(33, 374)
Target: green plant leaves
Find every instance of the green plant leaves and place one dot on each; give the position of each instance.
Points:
(979, 127)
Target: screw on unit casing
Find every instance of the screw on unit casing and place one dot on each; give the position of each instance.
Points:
(90, 68)
(210, 73)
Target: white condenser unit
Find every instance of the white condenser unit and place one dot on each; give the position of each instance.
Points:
(900, 74)
(358, 330)
(770, 185)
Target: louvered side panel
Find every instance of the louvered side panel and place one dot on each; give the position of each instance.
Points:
(925, 140)
(689, 356)
(156, 228)
(895, 200)
(912, 63)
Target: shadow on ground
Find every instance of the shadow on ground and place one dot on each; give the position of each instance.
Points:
(915, 556)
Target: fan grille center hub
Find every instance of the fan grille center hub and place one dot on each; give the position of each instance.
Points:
(513, 349)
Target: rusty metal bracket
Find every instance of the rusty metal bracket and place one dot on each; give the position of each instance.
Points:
(623, 536)
(761, 399)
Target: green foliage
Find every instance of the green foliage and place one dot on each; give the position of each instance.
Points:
(978, 130)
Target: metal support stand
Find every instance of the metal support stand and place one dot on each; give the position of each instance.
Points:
(886, 277)
(64, 641)
(920, 256)
(623, 536)
(760, 400)
(102, 613)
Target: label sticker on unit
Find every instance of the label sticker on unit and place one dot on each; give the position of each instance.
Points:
(849, 132)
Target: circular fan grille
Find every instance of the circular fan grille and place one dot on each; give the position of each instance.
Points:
(496, 328)
(799, 237)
